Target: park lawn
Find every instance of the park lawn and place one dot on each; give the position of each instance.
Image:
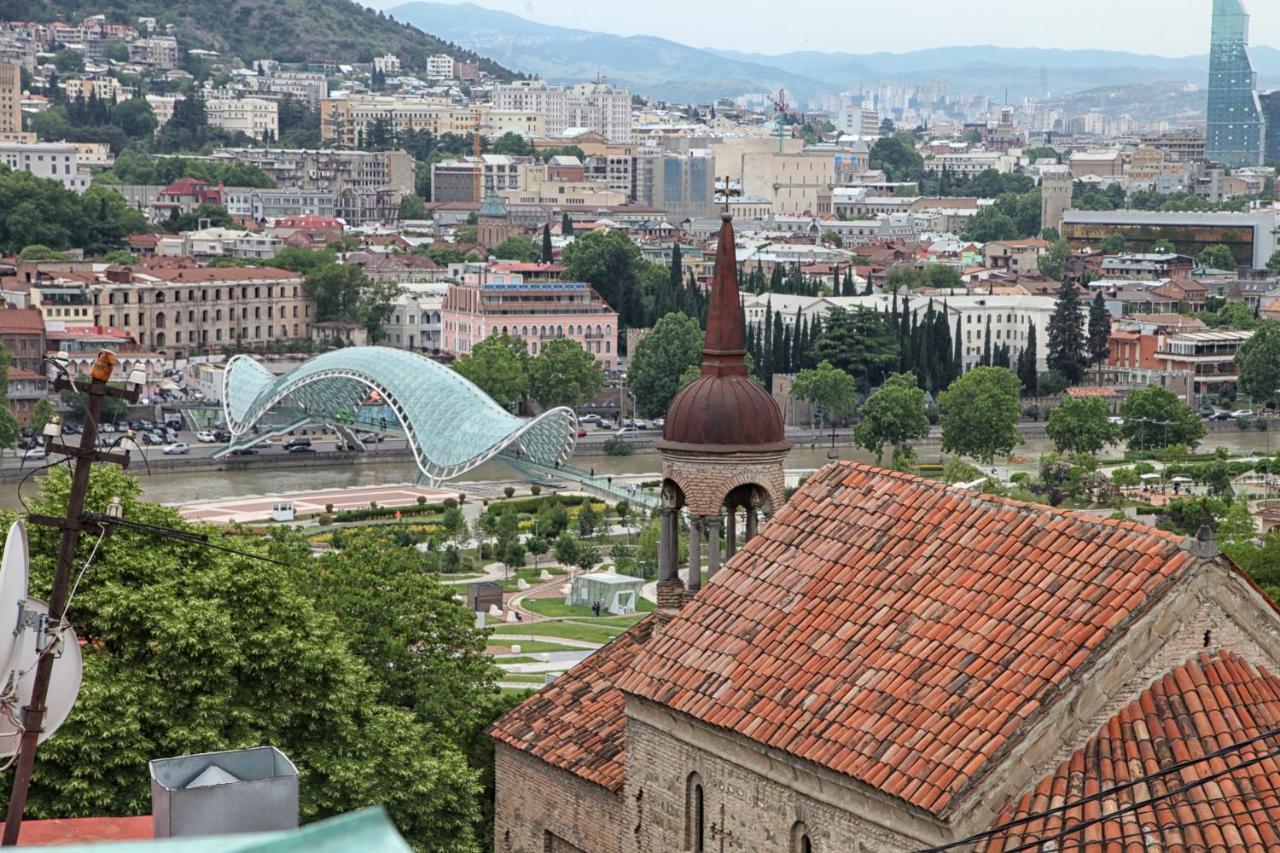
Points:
(531, 677)
(552, 607)
(568, 630)
(533, 646)
(515, 659)
(519, 692)
(626, 621)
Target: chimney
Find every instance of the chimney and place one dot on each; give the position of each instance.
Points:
(215, 793)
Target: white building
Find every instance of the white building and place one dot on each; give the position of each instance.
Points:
(971, 163)
(440, 66)
(595, 106)
(213, 243)
(58, 161)
(253, 117)
(162, 108)
(387, 64)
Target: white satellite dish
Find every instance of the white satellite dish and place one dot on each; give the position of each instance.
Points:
(64, 681)
(13, 585)
(18, 654)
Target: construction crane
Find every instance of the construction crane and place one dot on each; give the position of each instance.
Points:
(783, 110)
(477, 188)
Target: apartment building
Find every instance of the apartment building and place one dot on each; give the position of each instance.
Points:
(455, 180)
(440, 66)
(263, 204)
(22, 334)
(305, 86)
(348, 120)
(596, 106)
(160, 52)
(388, 64)
(484, 303)
(681, 183)
(1210, 358)
(58, 161)
(968, 164)
(254, 117)
(162, 108)
(367, 186)
(210, 244)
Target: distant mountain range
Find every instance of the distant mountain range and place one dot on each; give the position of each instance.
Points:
(671, 71)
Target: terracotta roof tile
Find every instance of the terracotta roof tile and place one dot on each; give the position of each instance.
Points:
(575, 723)
(931, 625)
(1200, 707)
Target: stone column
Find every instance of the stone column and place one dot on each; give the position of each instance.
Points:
(666, 565)
(752, 522)
(730, 533)
(713, 546)
(695, 553)
(670, 592)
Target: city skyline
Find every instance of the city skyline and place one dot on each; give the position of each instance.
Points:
(745, 25)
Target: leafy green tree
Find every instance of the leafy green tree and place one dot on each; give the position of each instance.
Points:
(828, 388)
(1081, 425)
(412, 207)
(517, 249)
(980, 412)
(1273, 263)
(41, 413)
(1029, 364)
(36, 252)
(610, 262)
(660, 358)
(1114, 243)
(305, 261)
(566, 549)
(9, 428)
(69, 61)
(1163, 247)
(1218, 257)
(1259, 364)
(172, 620)
(859, 342)
(1054, 262)
(896, 154)
(1099, 329)
(122, 257)
(564, 374)
(895, 415)
(513, 144)
(345, 294)
(498, 366)
(1068, 347)
(990, 224)
(135, 117)
(1155, 417)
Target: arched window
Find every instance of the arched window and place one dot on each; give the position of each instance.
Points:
(159, 319)
(801, 842)
(695, 815)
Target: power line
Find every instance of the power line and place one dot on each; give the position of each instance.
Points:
(1104, 793)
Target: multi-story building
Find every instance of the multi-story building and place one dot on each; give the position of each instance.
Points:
(26, 388)
(483, 303)
(58, 161)
(440, 66)
(210, 244)
(1210, 358)
(185, 309)
(1187, 146)
(681, 183)
(1250, 236)
(416, 318)
(1236, 128)
(797, 183)
(970, 164)
(349, 120)
(105, 89)
(388, 63)
(254, 117)
(10, 101)
(263, 204)
(455, 180)
(1099, 164)
(1271, 113)
(1056, 187)
(306, 86)
(22, 334)
(595, 106)
(156, 51)
(162, 108)
(367, 186)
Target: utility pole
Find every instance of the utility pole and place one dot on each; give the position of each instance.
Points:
(71, 525)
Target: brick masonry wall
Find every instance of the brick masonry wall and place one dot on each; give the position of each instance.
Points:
(534, 799)
(707, 479)
(745, 810)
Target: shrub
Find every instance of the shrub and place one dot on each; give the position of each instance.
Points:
(1242, 424)
(326, 519)
(509, 491)
(616, 446)
(1260, 424)
(462, 498)
(450, 503)
(328, 507)
(536, 490)
(422, 500)
(373, 504)
(486, 551)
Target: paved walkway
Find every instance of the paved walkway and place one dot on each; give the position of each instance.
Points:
(258, 508)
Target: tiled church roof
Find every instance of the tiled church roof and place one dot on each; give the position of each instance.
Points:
(575, 723)
(1196, 709)
(901, 631)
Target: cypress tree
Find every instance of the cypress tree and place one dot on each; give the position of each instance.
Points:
(677, 267)
(957, 357)
(986, 345)
(566, 225)
(779, 346)
(775, 280)
(866, 291)
(797, 340)
(787, 343)
(766, 346)
(904, 336)
(1030, 368)
(1068, 347)
(1099, 329)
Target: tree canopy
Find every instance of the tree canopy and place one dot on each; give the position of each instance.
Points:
(498, 366)
(44, 212)
(980, 414)
(1155, 417)
(661, 357)
(1081, 425)
(564, 374)
(894, 415)
(1259, 363)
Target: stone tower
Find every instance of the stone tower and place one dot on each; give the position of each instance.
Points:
(1055, 196)
(722, 447)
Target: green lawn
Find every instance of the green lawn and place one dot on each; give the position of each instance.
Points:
(530, 576)
(521, 692)
(532, 678)
(625, 621)
(552, 607)
(535, 646)
(517, 659)
(568, 630)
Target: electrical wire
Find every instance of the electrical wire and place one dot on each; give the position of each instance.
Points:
(1104, 793)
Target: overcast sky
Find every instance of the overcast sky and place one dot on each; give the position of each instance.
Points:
(1166, 27)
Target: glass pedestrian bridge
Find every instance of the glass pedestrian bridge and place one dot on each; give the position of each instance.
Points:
(451, 425)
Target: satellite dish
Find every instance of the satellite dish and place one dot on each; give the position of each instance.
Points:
(19, 617)
(64, 681)
(13, 585)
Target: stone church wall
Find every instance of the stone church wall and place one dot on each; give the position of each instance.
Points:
(541, 809)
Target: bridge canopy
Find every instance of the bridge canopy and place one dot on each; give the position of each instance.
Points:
(451, 425)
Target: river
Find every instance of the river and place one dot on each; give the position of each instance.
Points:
(182, 487)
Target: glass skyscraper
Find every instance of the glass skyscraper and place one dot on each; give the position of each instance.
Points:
(1236, 127)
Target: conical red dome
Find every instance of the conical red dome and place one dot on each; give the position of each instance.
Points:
(724, 409)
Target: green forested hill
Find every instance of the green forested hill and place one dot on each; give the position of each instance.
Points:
(288, 30)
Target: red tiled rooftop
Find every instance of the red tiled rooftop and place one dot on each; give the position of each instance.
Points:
(575, 723)
(21, 320)
(901, 631)
(1196, 709)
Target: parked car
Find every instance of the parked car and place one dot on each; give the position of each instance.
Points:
(581, 432)
(33, 454)
(659, 423)
(27, 443)
(152, 438)
(221, 435)
(266, 442)
(1242, 413)
(244, 451)
(70, 429)
(294, 443)
(1115, 421)
(177, 448)
(301, 448)
(1222, 415)
(205, 436)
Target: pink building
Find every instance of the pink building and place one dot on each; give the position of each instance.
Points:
(494, 303)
